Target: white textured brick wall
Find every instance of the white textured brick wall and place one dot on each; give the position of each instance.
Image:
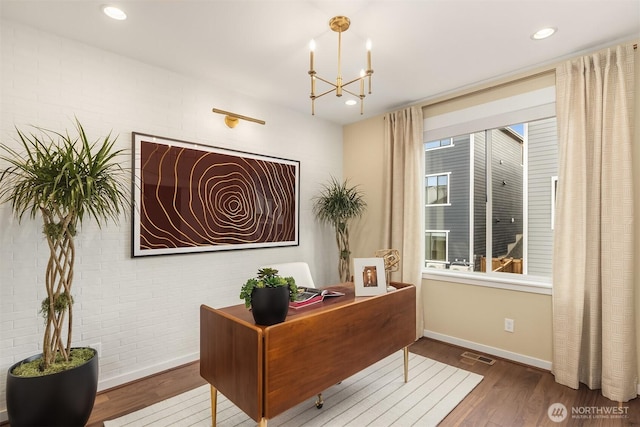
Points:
(144, 311)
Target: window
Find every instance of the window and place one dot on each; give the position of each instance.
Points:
(438, 143)
(500, 159)
(436, 246)
(437, 189)
(495, 201)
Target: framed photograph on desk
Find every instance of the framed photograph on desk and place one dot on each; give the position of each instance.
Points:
(369, 276)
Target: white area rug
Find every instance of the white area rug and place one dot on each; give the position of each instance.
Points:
(377, 396)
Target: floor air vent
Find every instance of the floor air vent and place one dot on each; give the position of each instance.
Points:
(478, 357)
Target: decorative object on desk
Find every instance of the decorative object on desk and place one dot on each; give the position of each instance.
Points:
(311, 296)
(369, 276)
(67, 180)
(193, 198)
(269, 295)
(336, 205)
(391, 259)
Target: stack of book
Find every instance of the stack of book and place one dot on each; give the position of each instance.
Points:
(308, 296)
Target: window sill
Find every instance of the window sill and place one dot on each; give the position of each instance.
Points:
(531, 284)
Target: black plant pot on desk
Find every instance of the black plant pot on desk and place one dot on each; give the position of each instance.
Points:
(270, 305)
(62, 399)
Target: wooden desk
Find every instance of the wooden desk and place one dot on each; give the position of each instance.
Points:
(259, 368)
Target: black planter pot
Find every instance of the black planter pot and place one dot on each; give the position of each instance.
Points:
(270, 305)
(62, 399)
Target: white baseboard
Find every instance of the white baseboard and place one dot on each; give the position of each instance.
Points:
(108, 383)
(516, 357)
(509, 355)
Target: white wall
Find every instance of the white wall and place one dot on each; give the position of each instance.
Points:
(143, 311)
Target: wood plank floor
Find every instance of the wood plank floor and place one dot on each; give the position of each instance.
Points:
(509, 395)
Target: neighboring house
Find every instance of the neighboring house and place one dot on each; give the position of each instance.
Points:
(456, 204)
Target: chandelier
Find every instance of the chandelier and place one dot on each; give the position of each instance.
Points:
(339, 24)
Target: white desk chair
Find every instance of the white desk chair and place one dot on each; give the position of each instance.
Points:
(298, 270)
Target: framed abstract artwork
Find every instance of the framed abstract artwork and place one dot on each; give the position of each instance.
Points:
(190, 197)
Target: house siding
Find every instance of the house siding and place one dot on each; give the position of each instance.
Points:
(507, 168)
(507, 187)
(455, 217)
(543, 164)
(480, 198)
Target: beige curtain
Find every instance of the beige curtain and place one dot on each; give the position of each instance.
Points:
(593, 290)
(403, 151)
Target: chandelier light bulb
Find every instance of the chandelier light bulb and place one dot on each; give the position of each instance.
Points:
(312, 48)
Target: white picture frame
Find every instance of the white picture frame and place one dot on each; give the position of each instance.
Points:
(369, 276)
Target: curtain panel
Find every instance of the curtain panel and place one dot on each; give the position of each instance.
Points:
(402, 196)
(593, 289)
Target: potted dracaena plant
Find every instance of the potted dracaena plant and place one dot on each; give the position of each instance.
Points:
(336, 205)
(65, 180)
(268, 295)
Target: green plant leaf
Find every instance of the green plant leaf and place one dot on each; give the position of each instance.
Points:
(67, 179)
(267, 278)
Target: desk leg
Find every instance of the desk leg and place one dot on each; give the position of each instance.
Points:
(406, 364)
(214, 405)
(262, 423)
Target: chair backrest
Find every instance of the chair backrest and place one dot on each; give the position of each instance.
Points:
(298, 270)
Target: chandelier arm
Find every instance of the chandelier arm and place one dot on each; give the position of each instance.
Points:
(357, 79)
(354, 94)
(324, 93)
(326, 81)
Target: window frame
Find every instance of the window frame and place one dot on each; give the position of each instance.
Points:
(451, 144)
(446, 247)
(437, 175)
(520, 108)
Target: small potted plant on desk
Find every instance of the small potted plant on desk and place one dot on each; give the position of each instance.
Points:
(65, 180)
(268, 295)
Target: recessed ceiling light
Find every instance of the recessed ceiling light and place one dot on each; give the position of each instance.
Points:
(351, 102)
(544, 33)
(114, 12)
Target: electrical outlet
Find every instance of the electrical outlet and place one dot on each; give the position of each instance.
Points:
(509, 324)
(97, 347)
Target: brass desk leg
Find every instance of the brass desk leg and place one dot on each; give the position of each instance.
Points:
(263, 422)
(214, 405)
(406, 364)
(319, 401)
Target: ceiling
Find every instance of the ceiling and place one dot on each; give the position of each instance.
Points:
(421, 49)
